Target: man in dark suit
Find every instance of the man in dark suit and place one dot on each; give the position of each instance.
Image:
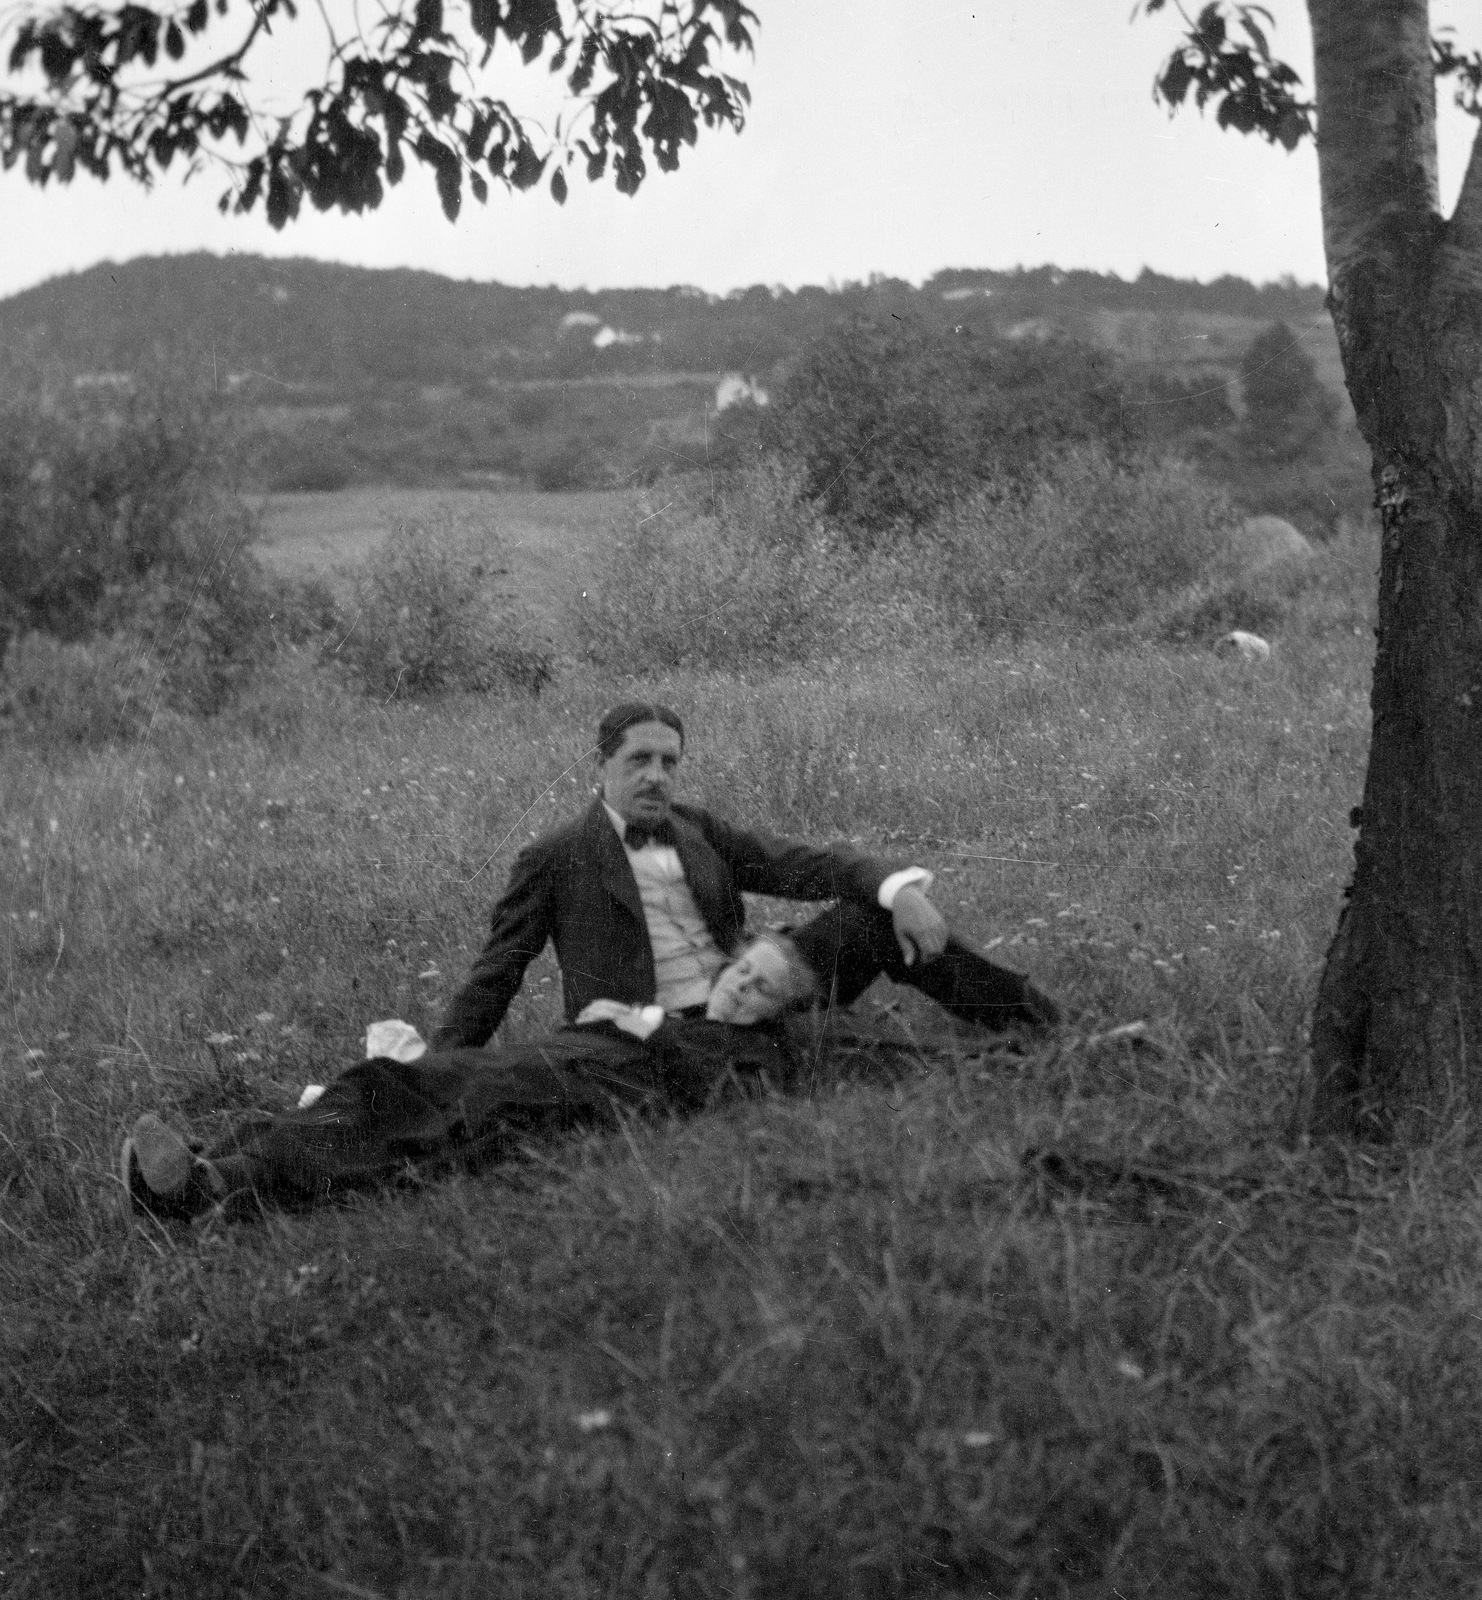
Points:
(665, 999)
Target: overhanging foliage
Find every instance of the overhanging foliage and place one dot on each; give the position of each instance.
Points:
(642, 79)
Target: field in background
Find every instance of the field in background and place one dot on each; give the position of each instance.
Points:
(549, 543)
(945, 1319)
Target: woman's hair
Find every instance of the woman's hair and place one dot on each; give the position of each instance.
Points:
(629, 714)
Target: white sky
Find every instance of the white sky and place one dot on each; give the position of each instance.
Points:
(1011, 132)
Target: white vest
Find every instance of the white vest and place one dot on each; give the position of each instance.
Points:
(687, 959)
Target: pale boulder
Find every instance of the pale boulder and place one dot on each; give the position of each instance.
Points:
(1261, 542)
(1248, 646)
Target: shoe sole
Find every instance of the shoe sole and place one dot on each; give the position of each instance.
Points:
(162, 1156)
(162, 1175)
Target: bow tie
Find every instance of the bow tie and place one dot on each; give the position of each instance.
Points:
(638, 834)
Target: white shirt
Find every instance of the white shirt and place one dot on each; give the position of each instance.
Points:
(687, 959)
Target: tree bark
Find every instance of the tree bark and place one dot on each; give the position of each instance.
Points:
(1396, 1048)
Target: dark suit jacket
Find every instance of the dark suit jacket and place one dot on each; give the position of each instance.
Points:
(574, 886)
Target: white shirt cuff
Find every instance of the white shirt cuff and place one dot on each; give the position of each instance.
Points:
(918, 877)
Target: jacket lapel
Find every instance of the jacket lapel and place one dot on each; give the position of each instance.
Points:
(701, 873)
(613, 871)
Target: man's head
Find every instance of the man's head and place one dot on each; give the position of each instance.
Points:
(766, 979)
(638, 752)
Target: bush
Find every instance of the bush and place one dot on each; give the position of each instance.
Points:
(1327, 484)
(566, 463)
(95, 501)
(749, 574)
(427, 619)
(1093, 544)
(889, 425)
(119, 536)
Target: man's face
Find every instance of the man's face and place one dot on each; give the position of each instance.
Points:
(762, 982)
(638, 778)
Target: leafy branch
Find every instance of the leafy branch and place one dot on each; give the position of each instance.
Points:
(1233, 66)
(1226, 57)
(644, 77)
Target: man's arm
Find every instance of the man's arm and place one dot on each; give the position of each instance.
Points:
(762, 863)
(765, 864)
(519, 928)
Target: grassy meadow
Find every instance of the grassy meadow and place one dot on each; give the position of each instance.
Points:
(952, 1317)
(546, 543)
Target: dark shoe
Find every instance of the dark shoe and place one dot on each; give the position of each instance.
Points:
(162, 1176)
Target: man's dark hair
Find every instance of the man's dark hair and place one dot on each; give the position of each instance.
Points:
(629, 714)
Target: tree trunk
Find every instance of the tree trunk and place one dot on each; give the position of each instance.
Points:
(1397, 1029)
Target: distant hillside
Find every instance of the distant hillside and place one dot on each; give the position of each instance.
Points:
(263, 324)
(332, 376)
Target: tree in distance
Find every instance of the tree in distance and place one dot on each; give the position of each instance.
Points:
(1285, 402)
(129, 87)
(1396, 1048)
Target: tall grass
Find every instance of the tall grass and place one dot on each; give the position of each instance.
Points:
(1130, 551)
(1076, 1321)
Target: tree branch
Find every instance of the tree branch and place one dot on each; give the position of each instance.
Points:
(643, 76)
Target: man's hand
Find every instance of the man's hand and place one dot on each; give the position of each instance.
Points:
(639, 1021)
(920, 929)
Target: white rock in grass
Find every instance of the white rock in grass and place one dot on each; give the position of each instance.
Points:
(1248, 646)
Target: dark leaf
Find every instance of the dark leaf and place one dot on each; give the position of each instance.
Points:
(442, 101)
(581, 75)
(429, 20)
(25, 43)
(486, 16)
(252, 188)
(479, 187)
(282, 201)
(64, 148)
(447, 171)
(527, 168)
(1209, 31)
(57, 55)
(1290, 127)
(450, 190)
(396, 116)
(1257, 37)
(558, 187)
(174, 42)
(1174, 84)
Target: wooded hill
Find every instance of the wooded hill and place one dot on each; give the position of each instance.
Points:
(331, 375)
(260, 324)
